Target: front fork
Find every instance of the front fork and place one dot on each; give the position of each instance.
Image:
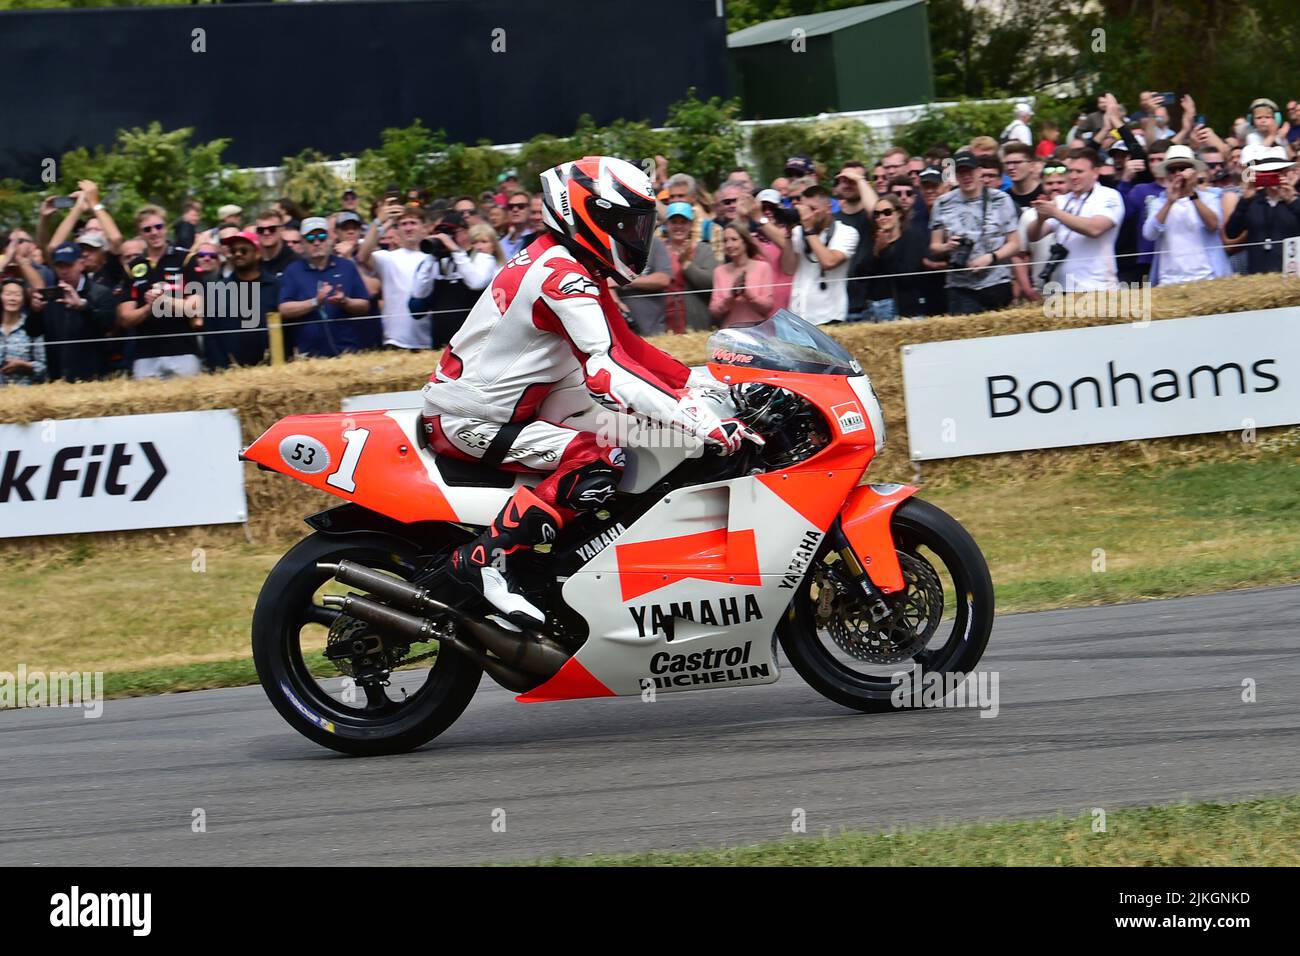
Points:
(850, 578)
(863, 538)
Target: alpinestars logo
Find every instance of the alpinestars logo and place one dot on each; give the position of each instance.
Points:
(722, 611)
(598, 495)
(65, 470)
(577, 284)
(803, 555)
(600, 542)
(705, 667)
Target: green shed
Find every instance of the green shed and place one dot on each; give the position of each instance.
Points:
(858, 58)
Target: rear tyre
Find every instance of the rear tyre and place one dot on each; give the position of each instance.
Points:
(844, 657)
(376, 723)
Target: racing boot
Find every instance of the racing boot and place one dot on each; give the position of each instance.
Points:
(526, 520)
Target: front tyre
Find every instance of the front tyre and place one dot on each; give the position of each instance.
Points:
(939, 623)
(375, 723)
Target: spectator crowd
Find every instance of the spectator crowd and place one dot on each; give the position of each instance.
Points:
(964, 228)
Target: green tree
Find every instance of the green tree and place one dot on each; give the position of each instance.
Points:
(706, 136)
(313, 186)
(833, 142)
(157, 166)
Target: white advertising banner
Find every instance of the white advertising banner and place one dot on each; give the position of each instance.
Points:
(1109, 383)
(114, 474)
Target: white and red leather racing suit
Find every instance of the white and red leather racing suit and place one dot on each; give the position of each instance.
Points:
(545, 328)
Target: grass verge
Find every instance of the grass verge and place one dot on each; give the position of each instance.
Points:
(1262, 832)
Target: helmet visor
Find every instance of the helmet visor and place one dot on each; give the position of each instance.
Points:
(630, 231)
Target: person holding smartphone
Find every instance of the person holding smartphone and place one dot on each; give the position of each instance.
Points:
(1269, 211)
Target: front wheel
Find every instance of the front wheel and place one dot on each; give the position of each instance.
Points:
(371, 717)
(939, 623)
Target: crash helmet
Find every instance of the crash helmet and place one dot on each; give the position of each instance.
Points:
(602, 209)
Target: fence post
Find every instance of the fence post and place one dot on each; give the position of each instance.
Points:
(275, 330)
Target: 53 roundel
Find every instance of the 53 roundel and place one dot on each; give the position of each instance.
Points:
(305, 454)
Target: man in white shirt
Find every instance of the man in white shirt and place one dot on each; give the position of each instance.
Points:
(1184, 224)
(396, 269)
(1084, 221)
(818, 255)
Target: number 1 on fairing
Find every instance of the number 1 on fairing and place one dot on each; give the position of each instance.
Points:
(355, 439)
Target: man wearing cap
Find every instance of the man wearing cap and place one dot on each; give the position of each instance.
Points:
(349, 202)
(83, 310)
(347, 233)
(229, 215)
(691, 262)
(319, 293)
(979, 224)
(96, 263)
(1184, 224)
(1266, 215)
(1018, 131)
(235, 304)
(819, 255)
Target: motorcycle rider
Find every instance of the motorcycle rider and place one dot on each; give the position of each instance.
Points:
(547, 327)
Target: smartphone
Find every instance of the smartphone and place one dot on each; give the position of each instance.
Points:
(1200, 119)
(51, 293)
(1264, 180)
(64, 202)
(1169, 99)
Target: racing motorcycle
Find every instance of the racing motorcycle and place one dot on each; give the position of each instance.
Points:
(687, 579)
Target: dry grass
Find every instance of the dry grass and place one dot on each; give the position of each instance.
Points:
(276, 504)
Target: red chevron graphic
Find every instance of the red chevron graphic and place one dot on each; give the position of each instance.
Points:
(717, 555)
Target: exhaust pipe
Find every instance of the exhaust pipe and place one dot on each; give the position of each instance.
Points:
(408, 626)
(525, 651)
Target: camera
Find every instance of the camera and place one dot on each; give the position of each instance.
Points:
(959, 258)
(1055, 256)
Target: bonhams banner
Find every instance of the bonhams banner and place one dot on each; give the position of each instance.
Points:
(112, 474)
(1208, 373)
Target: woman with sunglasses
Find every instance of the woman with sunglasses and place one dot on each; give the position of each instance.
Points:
(894, 288)
(742, 286)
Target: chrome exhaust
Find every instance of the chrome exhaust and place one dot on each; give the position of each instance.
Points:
(523, 651)
(409, 627)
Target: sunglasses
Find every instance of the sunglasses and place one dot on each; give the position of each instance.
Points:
(206, 255)
(727, 202)
(517, 205)
(158, 228)
(1054, 170)
(884, 211)
(267, 230)
(902, 192)
(316, 236)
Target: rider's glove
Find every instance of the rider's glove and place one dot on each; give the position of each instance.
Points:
(726, 435)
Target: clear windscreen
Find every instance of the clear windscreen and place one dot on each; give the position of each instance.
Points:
(785, 343)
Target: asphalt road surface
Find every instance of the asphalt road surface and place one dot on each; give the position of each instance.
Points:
(1099, 707)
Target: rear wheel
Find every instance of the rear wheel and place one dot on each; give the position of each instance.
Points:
(939, 623)
(361, 716)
